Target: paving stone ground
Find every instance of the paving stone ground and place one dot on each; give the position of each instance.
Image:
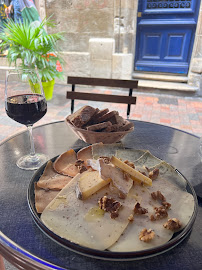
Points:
(183, 113)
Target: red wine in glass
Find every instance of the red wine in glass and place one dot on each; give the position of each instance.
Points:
(25, 103)
(26, 109)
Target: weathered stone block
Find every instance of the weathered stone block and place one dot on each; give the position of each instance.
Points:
(128, 4)
(100, 68)
(121, 76)
(77, 64)
(101, 48)
(92, 4)
(97, 22)
(196, 65)
(199, 23)
(122, 64)
(198, 52)
(194, 79)
(74, 42)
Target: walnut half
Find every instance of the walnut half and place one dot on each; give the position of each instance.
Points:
(80, 165)
(158, 196)
(139, 210)
(146, 235)
(172, 224)
(160, 213)
(110, 205)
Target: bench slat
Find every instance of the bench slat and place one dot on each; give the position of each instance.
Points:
(103, 82)
(101, 97)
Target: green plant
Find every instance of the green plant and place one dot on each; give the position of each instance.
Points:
(34, 47)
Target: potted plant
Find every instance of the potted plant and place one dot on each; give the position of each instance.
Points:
(31, 47)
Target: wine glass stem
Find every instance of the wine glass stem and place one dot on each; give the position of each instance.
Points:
(32, 150)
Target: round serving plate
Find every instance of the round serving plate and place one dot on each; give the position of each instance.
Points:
(105, 254)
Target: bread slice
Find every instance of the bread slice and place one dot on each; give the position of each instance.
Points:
(101, 113)
(82, 116)
(126, 126)
(106, 117)
(117, 119)
(99, 127)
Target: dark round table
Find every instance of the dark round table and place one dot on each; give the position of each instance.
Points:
(27, 247)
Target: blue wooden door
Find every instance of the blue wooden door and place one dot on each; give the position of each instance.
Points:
(165, 35)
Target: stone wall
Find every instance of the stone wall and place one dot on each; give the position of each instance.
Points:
(99, 35)
(81, 20)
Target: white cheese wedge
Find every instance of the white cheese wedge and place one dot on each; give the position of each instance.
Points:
(89, 183)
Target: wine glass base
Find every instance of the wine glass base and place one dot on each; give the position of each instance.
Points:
(29, 162)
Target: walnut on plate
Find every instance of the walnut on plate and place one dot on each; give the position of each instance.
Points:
(139, 210)
(154, 174)
(80, 165)
(110, 205)
(160, 213)
(159, 196)
(146, 235)
(172, 224)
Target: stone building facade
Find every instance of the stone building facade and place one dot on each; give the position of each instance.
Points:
(100, 37)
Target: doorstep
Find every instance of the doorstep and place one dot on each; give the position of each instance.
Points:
(168, 86)
(160, 77)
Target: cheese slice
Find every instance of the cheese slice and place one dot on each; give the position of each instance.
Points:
(89, 183)
(50, 179)
(148, 159)
(105, 150)
(135, 175)
(182, 208)
(43, 197)
(70, 218)
(65, 163)
(129, 154)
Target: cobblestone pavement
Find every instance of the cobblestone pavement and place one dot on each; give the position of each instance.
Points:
(183, 113)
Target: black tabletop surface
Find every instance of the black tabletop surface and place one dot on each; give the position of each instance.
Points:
(29, 244)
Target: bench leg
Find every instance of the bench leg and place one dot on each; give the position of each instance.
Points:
(130, 95)
(72, 101)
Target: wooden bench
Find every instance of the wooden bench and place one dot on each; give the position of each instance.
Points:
(130, 84)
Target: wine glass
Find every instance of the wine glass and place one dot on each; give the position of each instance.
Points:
(25, 103)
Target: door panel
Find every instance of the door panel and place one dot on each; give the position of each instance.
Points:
(165, 36)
